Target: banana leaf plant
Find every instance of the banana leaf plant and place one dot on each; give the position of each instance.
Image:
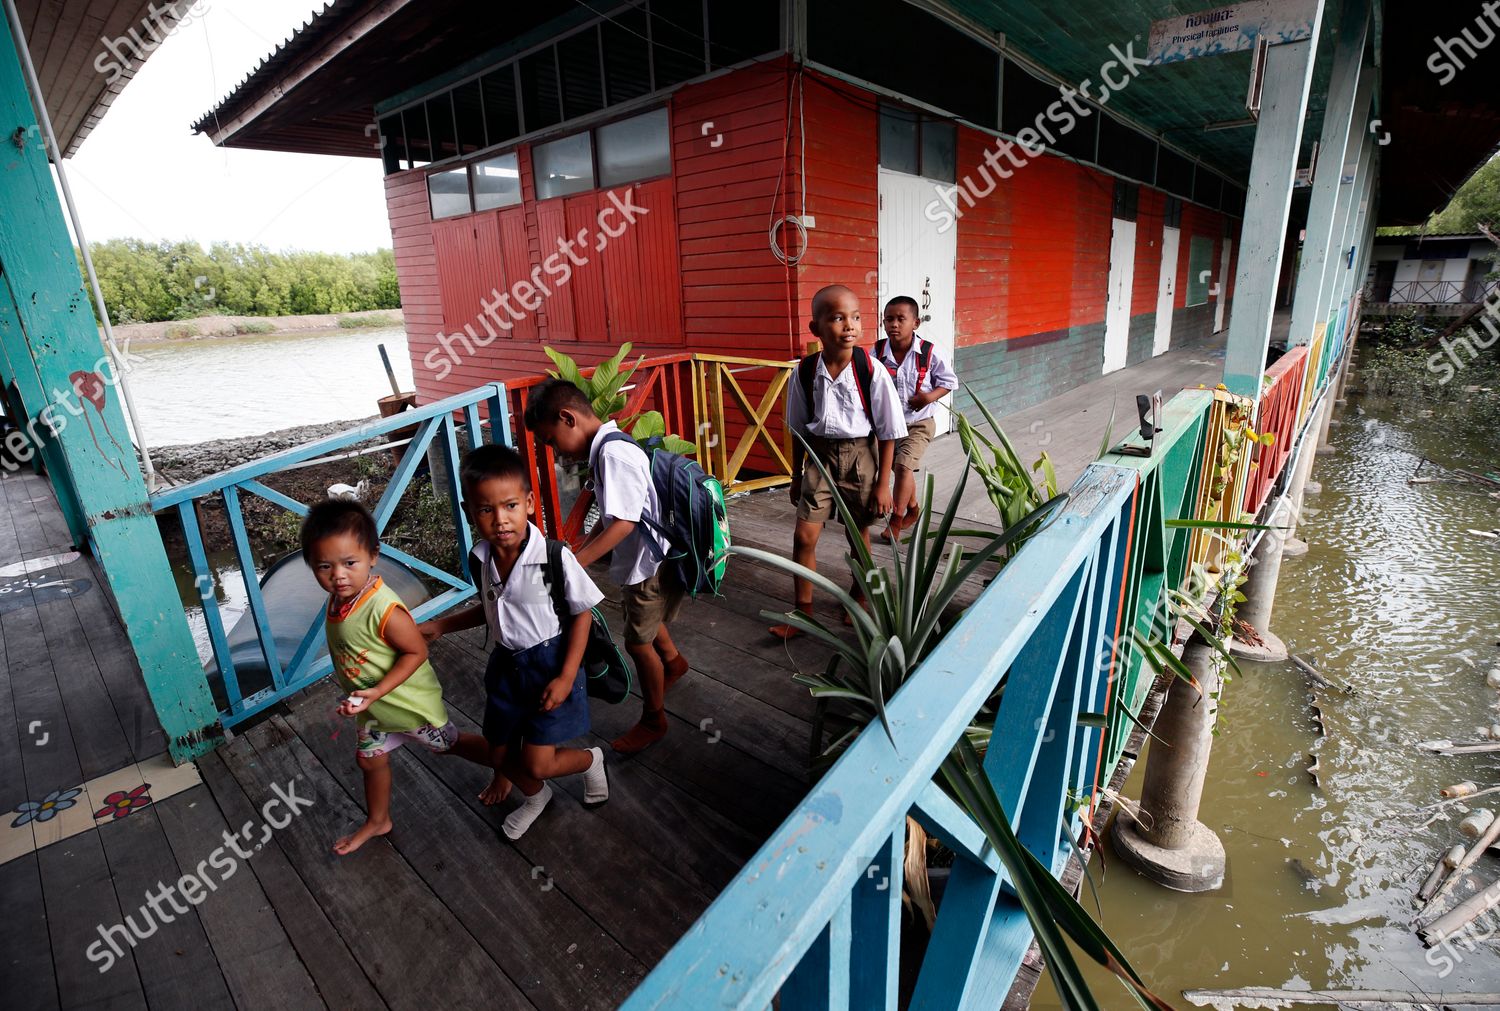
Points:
(604, 390)
(908, 600)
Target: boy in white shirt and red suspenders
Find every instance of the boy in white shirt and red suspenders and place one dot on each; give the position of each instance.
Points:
(922, 378)
(847, 409)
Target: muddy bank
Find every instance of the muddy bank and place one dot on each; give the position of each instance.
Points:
(216, 327)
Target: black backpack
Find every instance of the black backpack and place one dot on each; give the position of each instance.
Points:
(864, 376)
(694, 520)
(609, 674)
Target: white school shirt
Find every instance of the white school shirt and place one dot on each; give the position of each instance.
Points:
(624, 491)
(520, 615)
(837, 410)
(939, 374)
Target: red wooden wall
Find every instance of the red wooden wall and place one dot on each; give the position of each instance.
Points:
(696, 271)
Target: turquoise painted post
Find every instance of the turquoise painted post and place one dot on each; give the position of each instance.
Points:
(53, 349)
(1348, 103)
(1273, 169)
(1357, 165)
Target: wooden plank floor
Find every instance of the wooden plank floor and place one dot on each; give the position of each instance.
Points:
(444, 909)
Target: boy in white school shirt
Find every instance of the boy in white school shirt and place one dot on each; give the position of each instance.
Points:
(535, 689)
(849, 413)
(629, 516)
(922, 377)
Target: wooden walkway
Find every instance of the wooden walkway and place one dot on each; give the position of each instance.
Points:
(444, 910)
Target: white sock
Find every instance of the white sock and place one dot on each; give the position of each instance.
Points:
(519, 820)
(595, 780)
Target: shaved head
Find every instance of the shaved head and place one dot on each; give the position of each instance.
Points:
(825, 297)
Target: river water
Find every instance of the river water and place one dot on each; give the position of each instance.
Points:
(195, 390)
(1398, 598)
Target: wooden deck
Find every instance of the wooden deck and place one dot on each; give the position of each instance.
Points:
(444, 909)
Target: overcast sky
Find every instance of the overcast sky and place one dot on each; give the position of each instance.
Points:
(143, 173)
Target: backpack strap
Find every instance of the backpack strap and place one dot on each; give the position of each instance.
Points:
(807, 370)
(556, 585)
(880, 353)
(924, 359)
(864, 378)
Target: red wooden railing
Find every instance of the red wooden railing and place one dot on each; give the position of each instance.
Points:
(1277, 415)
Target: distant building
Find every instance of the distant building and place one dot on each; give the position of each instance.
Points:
(1442, 272)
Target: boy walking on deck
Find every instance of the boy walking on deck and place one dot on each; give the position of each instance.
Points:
(848, 411)
(534, 686)
(922, 378)
(630, 521)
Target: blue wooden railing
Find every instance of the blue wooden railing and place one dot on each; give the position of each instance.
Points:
(438, 420)
(815, 914)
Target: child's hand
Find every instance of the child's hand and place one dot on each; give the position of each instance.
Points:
(368, 694)
(556, 692)
(430, 631)
(796, 488)
(918, 401)
(881, 500)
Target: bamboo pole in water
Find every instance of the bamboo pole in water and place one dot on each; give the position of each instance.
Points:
(1460, 916)
(1475, 852)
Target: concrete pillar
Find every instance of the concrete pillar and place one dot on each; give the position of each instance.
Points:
(1168, 844)
(1268, 201)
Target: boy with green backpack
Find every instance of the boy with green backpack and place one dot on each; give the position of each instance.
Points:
(664, 521)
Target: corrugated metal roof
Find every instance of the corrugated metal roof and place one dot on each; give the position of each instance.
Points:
(87, 51)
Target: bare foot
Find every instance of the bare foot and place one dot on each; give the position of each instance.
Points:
(651, 728)
(674, 669)
(369, 830)
(496, 792)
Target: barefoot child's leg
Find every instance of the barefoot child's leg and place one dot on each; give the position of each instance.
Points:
(805, 553)
(653, 723)
(377, 770)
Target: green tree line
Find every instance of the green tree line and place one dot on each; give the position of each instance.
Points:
(145, 282)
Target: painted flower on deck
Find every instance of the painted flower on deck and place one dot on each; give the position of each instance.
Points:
(121, 803)
(47, 808)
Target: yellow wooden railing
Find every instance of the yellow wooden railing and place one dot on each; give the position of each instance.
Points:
(733, 421)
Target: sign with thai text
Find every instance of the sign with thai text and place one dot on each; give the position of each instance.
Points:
(1230, 29)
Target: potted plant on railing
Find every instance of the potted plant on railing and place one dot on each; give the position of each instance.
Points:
(604, 385)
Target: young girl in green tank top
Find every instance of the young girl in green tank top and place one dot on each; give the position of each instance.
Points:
(379, 659)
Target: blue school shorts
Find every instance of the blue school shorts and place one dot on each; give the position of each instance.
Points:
(513, 685)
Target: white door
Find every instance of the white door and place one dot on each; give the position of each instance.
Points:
(1166, 288)
(1221, 285)
(919, 259)
(1117, 315)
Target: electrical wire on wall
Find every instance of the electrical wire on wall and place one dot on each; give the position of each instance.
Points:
(795, 221)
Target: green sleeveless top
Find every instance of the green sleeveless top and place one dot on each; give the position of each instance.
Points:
(361, 657)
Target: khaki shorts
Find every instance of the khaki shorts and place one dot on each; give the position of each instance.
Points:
(910, 450)
(650, 604)
(853, 465)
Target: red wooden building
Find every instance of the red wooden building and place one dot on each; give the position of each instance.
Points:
(684, 174)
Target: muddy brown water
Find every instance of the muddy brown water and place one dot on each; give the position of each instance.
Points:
(1398, 598)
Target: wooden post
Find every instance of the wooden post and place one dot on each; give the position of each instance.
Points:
(1348, 103)
(53, 354)
(1273, 169)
